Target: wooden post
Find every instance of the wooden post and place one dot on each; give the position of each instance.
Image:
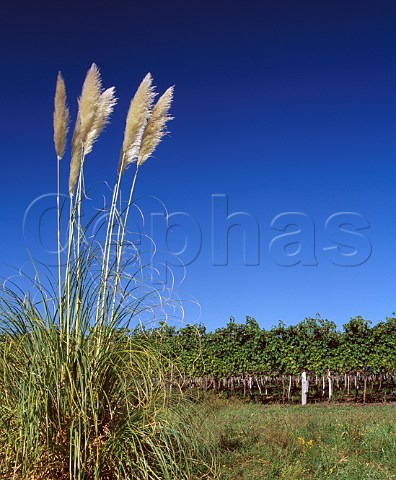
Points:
(258, 385)
(289, 389)
(330, 384)
(304, 388)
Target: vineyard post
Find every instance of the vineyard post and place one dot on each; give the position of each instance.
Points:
(330, 384)
(304, 388)
(258, 385)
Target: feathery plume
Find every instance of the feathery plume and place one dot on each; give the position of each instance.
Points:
(87, 103)
(76, 155)
(138, 113)
(104, 108)
(94, 109)
(61, 117)
(155, 128)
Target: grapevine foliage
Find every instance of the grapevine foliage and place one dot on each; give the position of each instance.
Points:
(314, 344)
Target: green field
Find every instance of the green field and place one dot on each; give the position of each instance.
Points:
(349, 442)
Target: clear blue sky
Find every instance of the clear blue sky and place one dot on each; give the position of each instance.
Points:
(282, 106)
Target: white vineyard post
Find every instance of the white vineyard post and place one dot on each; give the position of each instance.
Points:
(304, 388)
(258, 385)
(250, 385)
(289, 389)
(330, 384)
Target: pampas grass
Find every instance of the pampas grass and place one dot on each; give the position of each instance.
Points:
(89, 101)
(76, 152)
(144, 129)
(155, 128)
(61, 117)
(80, 398)
(138, 114)
(61, 128)
(106, 103)
(94, 109)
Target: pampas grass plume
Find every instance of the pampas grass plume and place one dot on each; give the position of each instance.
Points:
(61, 117)
(75, 163)
(155, 128)
(138, 113)
(105, 106)
(94, 109)
(87, 103)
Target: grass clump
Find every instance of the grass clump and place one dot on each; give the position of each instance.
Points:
(79, 397)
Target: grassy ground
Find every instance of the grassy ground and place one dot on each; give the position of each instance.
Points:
(346, 442)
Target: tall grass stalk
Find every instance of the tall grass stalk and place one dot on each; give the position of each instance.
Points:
(151, 135)
(61, 127)
(80, 398)
(136, 121)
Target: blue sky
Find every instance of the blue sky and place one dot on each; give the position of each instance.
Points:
(281, 106)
